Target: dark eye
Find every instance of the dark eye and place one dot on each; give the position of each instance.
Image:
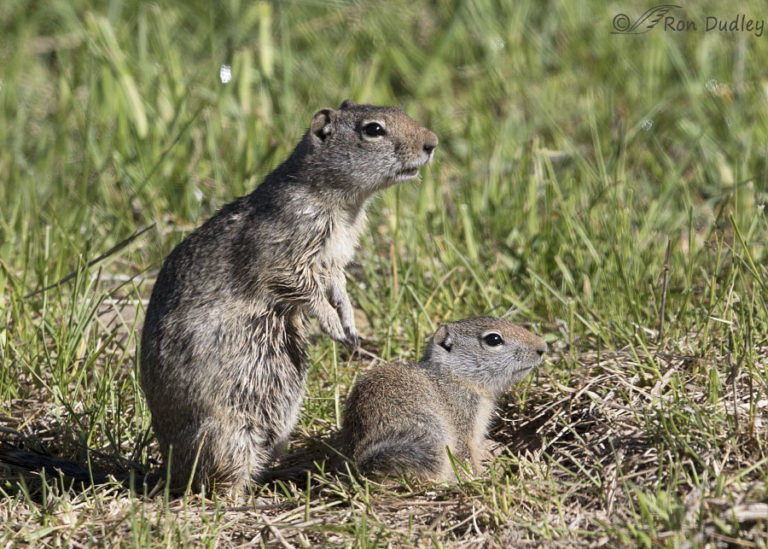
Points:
(493, 340)
(374, 129)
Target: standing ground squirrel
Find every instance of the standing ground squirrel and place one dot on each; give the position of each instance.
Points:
(401, 416)
(223, 349)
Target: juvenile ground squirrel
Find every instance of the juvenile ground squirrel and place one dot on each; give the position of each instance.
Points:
(223, 362)
(401, 416)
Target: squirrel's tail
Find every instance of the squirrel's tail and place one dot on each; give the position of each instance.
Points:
(23, 460)
(417, 453)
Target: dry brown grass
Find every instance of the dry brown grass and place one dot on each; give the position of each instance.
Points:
(586, 448)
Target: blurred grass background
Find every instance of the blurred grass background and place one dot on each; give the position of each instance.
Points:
(569, 157)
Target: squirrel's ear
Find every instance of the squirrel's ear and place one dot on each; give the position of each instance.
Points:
(347, 103)
(322, 123)
(443, 338)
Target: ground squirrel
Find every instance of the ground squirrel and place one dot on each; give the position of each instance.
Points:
(223, 349)
(401, 416)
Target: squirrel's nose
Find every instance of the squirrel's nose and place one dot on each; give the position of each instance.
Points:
(430, 143)
(541, 349)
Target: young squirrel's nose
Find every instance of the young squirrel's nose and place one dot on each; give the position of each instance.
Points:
(430, 143)
(541, 349)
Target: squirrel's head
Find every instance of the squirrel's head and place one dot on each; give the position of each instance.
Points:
(368, 147)
(490, 352)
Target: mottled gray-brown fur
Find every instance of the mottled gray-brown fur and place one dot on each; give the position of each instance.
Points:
(223, 362)
(401, 416)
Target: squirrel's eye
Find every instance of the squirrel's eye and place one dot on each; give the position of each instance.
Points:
(493, 339)
(374, 129)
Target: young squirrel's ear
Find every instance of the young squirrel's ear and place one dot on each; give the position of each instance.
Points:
(443, 338)
(347, 103)
(322, 123)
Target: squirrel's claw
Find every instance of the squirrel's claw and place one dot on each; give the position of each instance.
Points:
(351, 340)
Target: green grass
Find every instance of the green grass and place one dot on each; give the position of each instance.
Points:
(569, 158)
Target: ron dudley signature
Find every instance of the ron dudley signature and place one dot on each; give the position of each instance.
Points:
(665, 18)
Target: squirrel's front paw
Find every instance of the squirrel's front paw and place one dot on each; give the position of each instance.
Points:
(491, 449)
(350, 338)
(333, 328)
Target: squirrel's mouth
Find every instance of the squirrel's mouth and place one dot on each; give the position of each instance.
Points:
(411, 170)
(408, 173)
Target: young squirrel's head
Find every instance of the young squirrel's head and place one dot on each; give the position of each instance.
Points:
(490, 352)
(366, 148)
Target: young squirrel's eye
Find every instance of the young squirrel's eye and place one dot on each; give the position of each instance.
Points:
(374, 129)
(493, 339)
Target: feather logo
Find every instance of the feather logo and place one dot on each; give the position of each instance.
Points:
(622, 24)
